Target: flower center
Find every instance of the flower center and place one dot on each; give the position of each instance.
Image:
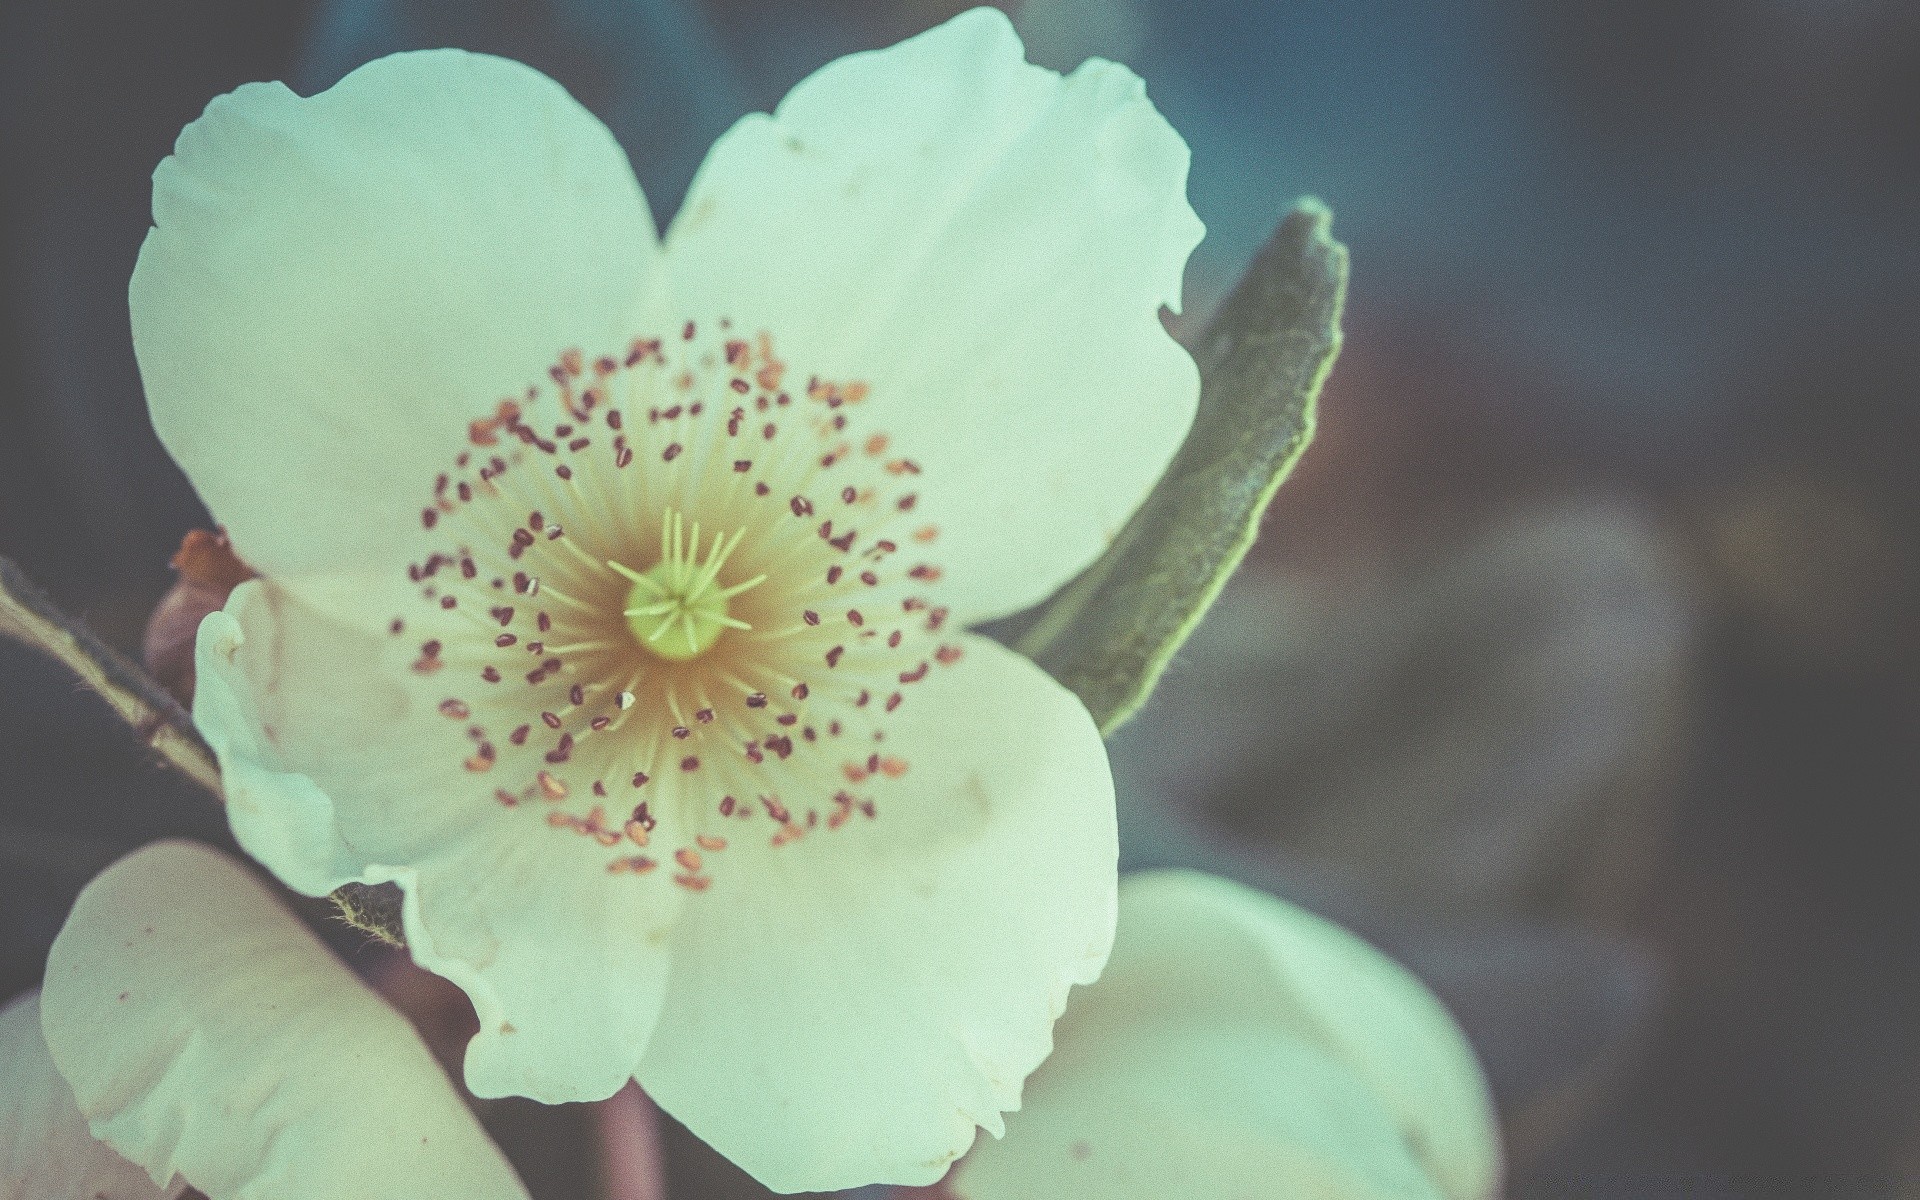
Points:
(678, 610)
(675, 601)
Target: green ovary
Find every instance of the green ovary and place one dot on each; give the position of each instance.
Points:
(677, 609)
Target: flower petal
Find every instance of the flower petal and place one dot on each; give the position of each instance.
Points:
(205, 1031)
(46, 1152)
(988, 245)
(566, 965)
(326, 751)
(1175, 1109)
(340, 767)
(1231, 1028)
(844, 1009)
(337, 285)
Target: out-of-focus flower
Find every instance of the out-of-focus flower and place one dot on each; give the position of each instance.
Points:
(210, 1041)
(616, 589)
(1238, 1046)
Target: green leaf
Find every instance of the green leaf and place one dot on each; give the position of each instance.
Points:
(155, 716)
(1109, 634)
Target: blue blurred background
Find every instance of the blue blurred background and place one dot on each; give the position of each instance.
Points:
(1577, 667)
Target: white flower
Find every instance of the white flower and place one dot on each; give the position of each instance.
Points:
(1238, 1046)
(211, 1042)
(617, 590)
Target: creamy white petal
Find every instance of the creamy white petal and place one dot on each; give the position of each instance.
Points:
(987, 245)
(206, 1032)
(340, 767)
(46, 1152)
(566, 965)
(327, 747)
(336, 285)
(1232, 1028)
(846, 1008)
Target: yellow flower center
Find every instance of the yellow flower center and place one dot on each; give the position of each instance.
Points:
(678, 610)
(675, 601)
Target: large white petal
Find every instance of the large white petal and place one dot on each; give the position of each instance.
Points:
(339, 767)
(988, 245)
(46, 1152)
(1233, 1029)
(204, 1031)
(336, 285)
(845, 1009)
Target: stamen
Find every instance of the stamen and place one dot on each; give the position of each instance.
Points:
(675, 610)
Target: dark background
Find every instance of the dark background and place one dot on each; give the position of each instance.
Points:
(1578, 664)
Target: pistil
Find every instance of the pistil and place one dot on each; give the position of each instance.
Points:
(677, 609)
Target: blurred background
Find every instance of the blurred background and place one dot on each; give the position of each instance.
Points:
(1577, 665)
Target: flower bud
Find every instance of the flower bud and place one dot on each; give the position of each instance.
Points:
(208, 570)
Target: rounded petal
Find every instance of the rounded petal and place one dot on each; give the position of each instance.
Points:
(845, 1009)
(339, 766)
(987, 245)
(46, 1152)
(336, 286)
(206, 1032)
(1231, 1027)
